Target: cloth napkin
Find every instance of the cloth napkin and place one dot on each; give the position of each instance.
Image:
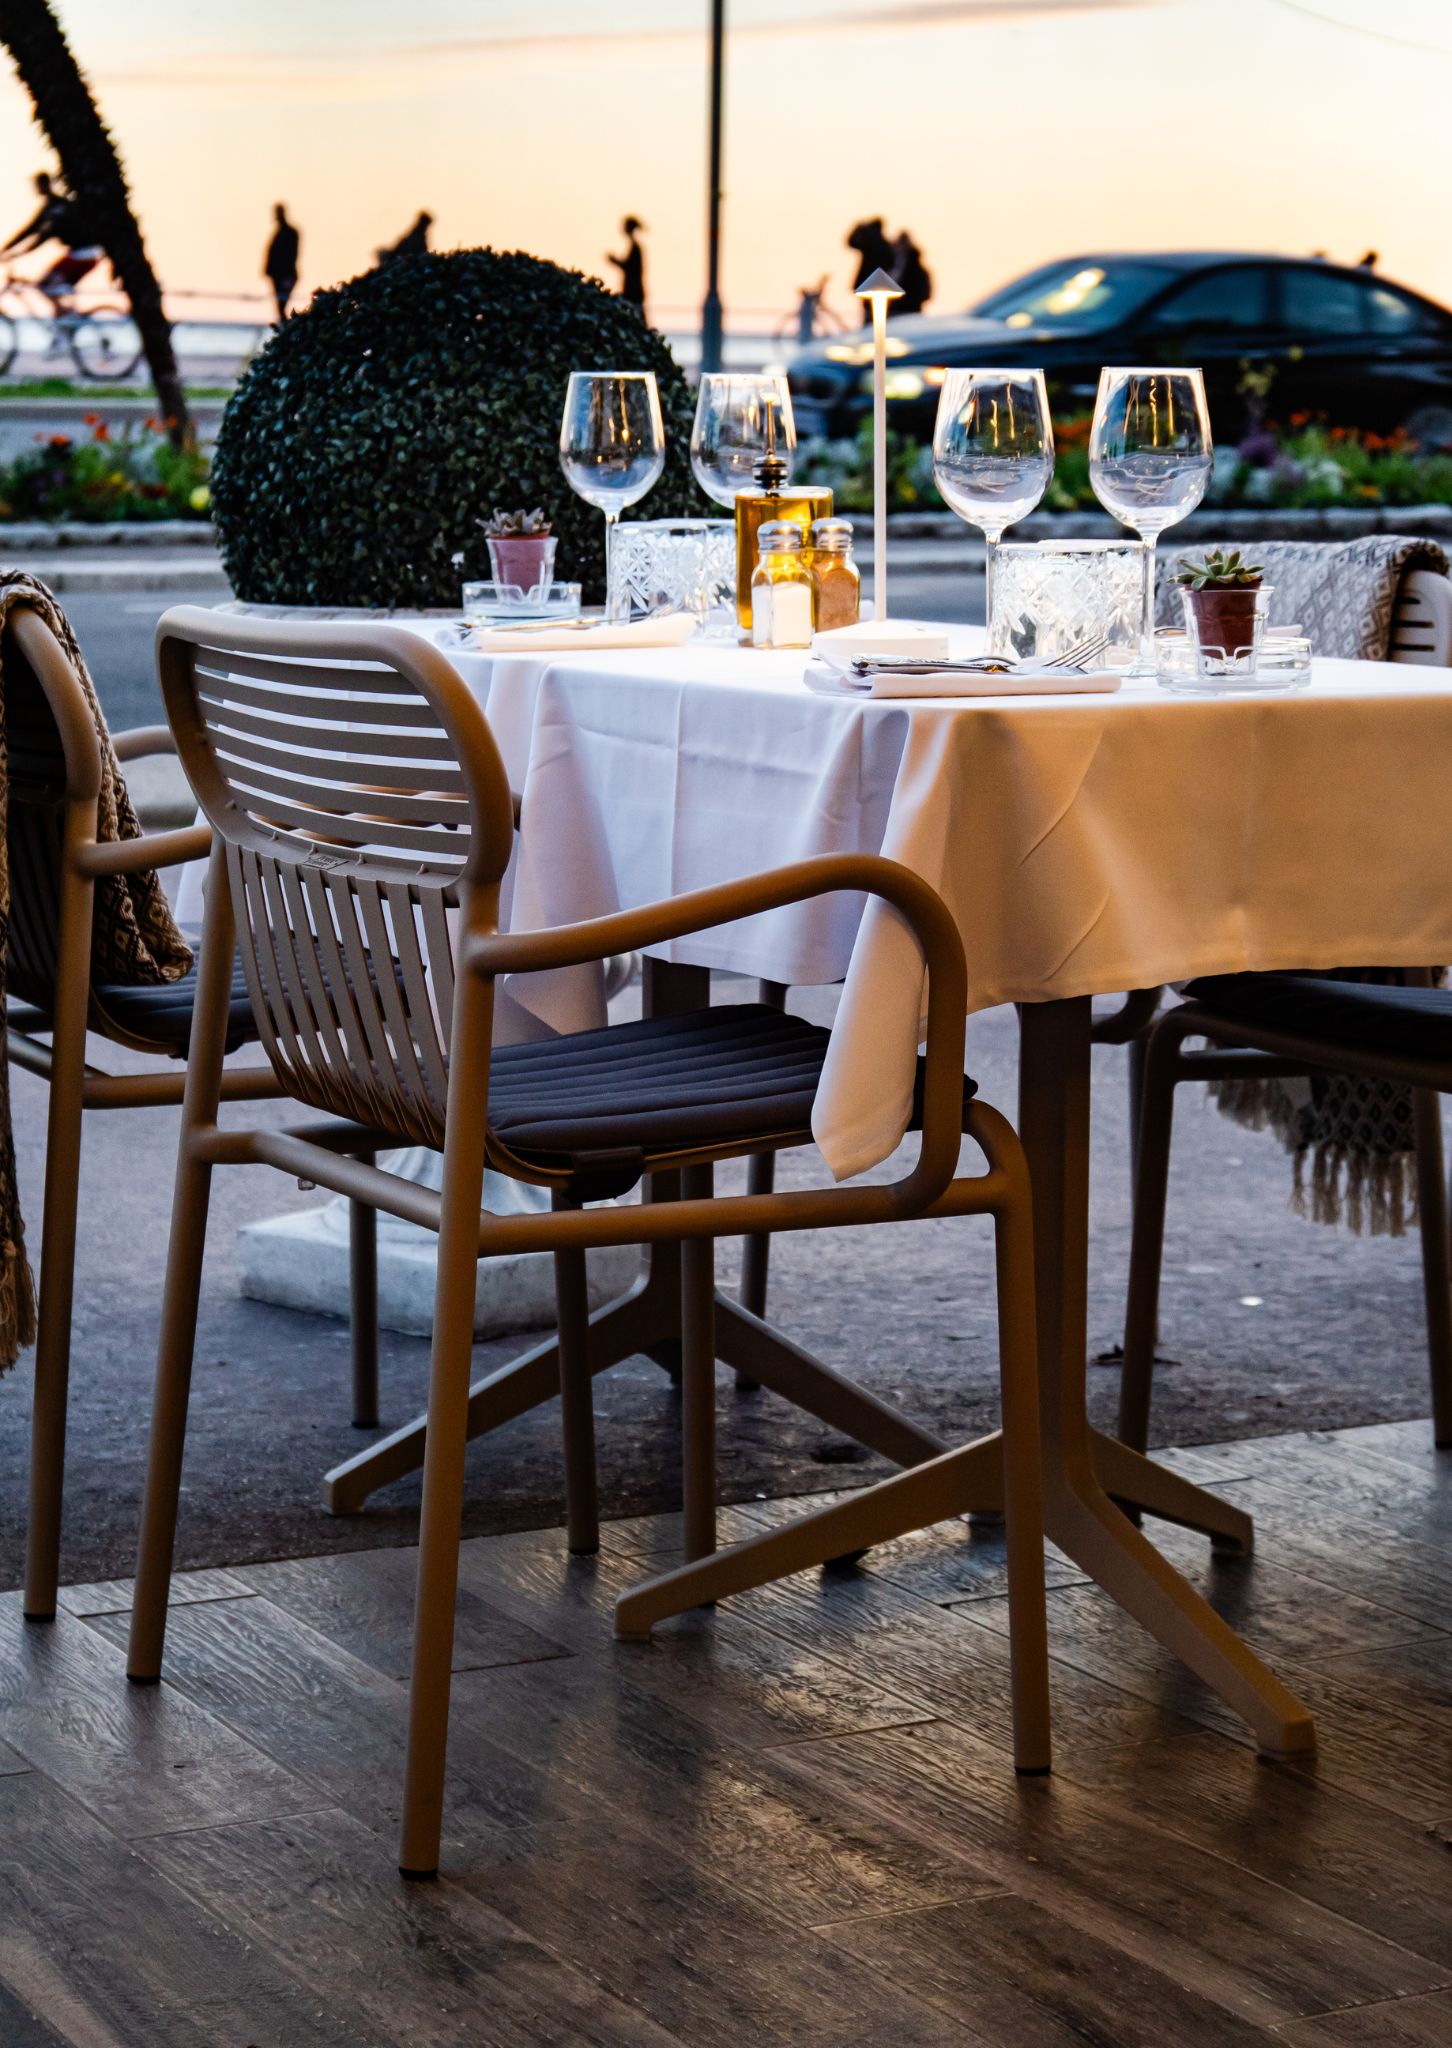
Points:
(1023, 681)
(671, 631)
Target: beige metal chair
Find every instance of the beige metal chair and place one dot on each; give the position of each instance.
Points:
(362, 825)
(1263, 1025)
(54, 769)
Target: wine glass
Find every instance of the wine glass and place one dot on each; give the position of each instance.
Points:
(738, 420)
(612, 450)
(1150, 457)
(993, 450)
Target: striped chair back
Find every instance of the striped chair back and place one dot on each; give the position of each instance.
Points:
(356, 789)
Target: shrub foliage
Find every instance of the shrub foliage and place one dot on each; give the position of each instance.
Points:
(380, 425)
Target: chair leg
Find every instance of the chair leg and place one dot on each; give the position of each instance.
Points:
(448, 1423)
(183, 1284)
(1022, 1486)
(363, 1304)
(58, 1249)
(1436, 1269)
(755, 1254)
(756, 1248)
(1136, 1056)
(698, 1377)
(1151, 1185)
(577, 1399)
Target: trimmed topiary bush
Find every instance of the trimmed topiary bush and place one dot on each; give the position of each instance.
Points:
(379, 426)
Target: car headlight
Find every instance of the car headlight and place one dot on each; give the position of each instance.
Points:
(897, 383)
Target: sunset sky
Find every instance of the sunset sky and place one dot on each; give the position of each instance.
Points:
(1001, 132)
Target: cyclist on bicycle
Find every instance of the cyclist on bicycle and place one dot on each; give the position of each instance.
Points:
(61, 217)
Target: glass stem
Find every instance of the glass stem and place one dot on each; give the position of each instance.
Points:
(990, 551)
(1145, 663)
(617, 599)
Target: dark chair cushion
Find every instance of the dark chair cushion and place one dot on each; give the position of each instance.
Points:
(605, 1102)
(1412, 1023)
(161, 1014)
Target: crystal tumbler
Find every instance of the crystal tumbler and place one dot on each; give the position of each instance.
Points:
(1051, 596)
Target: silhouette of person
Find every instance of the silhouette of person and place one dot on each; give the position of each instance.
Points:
(414, 243)
(809, 306)
(279, 265)
(875, 252)
(913, 276)
(60, 217)
(632, 264)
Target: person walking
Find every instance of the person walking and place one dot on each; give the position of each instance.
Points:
(414, 243)
(914, 278)
(279, 265)
(874, 252)
(632, 264)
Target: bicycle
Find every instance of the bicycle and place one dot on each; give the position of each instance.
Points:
(101, 340)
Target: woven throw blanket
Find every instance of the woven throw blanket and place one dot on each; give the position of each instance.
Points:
(134, 939)
(1351, 1137)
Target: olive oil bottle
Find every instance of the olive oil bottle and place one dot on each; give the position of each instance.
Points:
(768, 499)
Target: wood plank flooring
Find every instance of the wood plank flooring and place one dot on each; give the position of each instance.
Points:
(791, 1820)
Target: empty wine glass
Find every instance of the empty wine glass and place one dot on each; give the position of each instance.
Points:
(738, 420)
(1150, 457)
(993, 450)
(612, 450)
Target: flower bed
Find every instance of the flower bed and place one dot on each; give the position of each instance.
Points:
(104, 478)
(1305, 466)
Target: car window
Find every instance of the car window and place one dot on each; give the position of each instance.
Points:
(1073, 295)
(1220, 302)
(1322, 303)
(1392, 314)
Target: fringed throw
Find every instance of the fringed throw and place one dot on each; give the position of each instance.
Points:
(1351, 1137)
(134, 936)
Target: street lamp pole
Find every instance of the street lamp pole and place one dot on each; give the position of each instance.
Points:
(711, 310)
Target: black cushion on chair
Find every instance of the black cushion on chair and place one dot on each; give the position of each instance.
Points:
(161, 1013)
(1413, 1023)
(606, 1101)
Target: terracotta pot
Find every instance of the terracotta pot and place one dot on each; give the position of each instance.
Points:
(522, 559)
(1225, 618)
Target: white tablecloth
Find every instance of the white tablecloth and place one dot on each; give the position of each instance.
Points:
(1084, 844)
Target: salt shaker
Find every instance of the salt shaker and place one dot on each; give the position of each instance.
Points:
(781, 589)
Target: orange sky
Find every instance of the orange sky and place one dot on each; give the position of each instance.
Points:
(1002, 132)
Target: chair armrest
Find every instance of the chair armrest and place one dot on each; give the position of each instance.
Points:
(151, 850)
(918, 904)
(143, 741)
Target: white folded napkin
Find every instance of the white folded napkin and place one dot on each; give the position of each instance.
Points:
(672, 630)
(1023, 681)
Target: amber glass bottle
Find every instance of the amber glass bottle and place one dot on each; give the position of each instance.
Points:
(771, 498)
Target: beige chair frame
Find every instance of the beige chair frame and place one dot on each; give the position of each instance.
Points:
(53, 1047)
(1241, 1051)
(295, 869)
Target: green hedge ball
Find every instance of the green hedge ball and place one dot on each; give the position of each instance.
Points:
(380, 425)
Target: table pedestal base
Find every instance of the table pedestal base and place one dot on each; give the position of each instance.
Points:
(647, 1320)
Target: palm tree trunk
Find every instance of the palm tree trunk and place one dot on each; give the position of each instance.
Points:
(64, 108)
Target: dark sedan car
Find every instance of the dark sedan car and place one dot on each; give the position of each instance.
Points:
(1346, 343)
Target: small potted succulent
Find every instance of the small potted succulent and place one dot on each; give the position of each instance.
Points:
(1222, 593)
(521, 550)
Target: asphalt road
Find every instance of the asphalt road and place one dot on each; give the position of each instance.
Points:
(116, 630)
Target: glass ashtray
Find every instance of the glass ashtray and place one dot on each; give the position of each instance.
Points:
(490, 604)
(1282, 662)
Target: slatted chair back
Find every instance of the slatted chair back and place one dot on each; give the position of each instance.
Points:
(1422, 622)
(357, 791)
(53, 759)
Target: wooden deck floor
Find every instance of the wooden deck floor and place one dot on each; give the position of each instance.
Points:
(789, 1821)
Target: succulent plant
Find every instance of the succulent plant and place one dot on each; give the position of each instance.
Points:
(1220, 572)
(519, 525)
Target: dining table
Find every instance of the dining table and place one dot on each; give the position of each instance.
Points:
(1086, 845)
